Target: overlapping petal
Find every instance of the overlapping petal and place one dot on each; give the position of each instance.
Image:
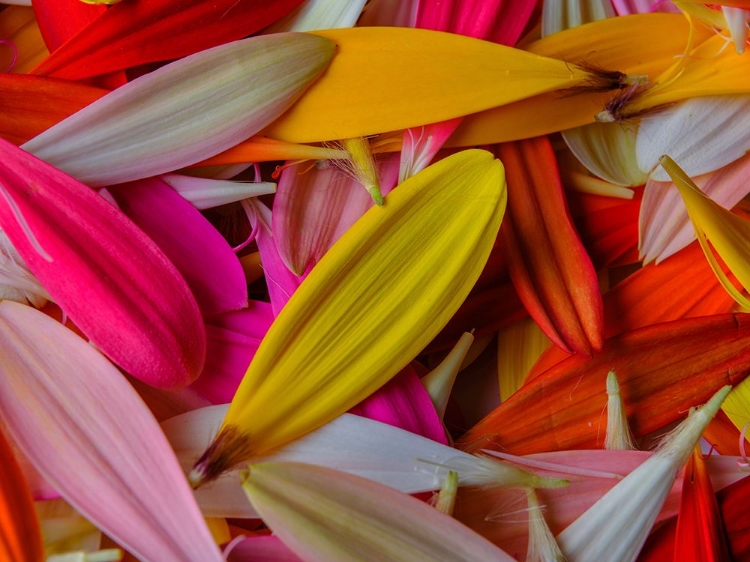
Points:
(84, 427)
(185, 111)
(311, 509)
(134, 33)
(562, 408)
(192, 244)
(104, 272)
(549, 267)
(368, 307)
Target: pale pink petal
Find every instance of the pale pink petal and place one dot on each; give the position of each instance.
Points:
(373, 450)
(663, 221)
(312, 508)
(204, 193)
(280, 281)
(232, 340)
(314, 207)
(110, 279)
(627, 7)
(192, 244)
(87, 431)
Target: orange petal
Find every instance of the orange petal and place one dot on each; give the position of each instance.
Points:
(682, 286)
(19, 530)
(32, 104)
(547, 262)
(562, 408)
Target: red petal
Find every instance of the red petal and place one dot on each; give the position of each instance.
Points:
(700, 534)
(142, 31)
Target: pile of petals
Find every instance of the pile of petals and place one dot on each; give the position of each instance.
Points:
(395, 280)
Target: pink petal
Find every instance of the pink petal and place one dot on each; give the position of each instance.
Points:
(404, 402)
(104, 272)
(232, 340)
(314, 207)
(193, 245)
(87, 431)
(499, 21)
(664, 224)
(262, 549)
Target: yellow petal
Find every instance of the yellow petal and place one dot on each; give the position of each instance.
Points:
(383, 291)
(728, 233)
(384, 79)
(644, 44)
(18, 25)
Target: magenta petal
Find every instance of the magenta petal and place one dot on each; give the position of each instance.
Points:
(262, 549)
(192, 244)
(232, 340)
(404, 402)
(104, 272)
(83, 426)
(499, 21)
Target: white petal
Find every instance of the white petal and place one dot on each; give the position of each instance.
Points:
(320, 14)
(700, 134)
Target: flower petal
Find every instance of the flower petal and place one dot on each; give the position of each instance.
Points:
(728, 233)
(336, 107)
(312, 362)
(549, 267)
(129, 34)
(193, 245)
(561, 409)
(311, 509)
(84, 427)
(185, 111)
(113, 281)
(676, 131)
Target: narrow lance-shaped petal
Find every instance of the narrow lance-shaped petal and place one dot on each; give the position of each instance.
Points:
(311, 509)
(185, 111)
(325, 353)
(549, 267)
(105, 273)
(337, 107)
(664, 224)
(20, 538)
(728, 234)
(616, 527)
(700, 531)
(85, 428)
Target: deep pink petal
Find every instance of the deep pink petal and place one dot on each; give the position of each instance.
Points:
(232, 340)
(104, 272)
(192, 244)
